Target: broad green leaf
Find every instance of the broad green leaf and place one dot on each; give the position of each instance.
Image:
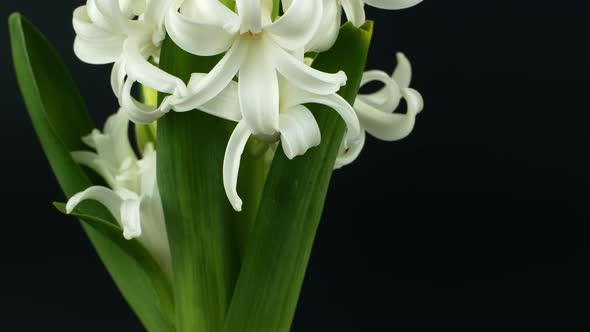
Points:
(39, 71)
(199, 219)
(158, 284)
(278, 251)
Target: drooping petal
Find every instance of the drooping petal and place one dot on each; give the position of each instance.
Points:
(136, 111)
(95, 163)
(303, 76)
(250, 14)
(329, 28)
(118, 75)
(414, 100)
(111, 10)
(200, 90)
(97, 17)
(391, 126)
(115, 139)
(393, 4)
(355, 11)
(211, 12)
(402, 74)
(85, 27)
(225, 105)
(139, 69)
(339, 105)
(387, 98)
(98, 51)
(348, 155)
(199, 38)
(131, 218)
(258, 88)
(298, 25)
(299, 131)
(155, 11)
(104, 196)
(231, 163)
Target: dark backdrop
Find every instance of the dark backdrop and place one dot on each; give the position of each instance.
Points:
(479, 218)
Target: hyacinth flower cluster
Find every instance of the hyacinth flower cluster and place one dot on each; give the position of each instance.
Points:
(267, 83)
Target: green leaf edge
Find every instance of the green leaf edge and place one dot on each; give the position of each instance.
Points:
(161, 282)
(69, 174)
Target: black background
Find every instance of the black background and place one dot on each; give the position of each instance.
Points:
(478, 219)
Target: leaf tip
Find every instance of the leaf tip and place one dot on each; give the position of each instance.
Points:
(61, 207)
(368, 26)
(14, 18)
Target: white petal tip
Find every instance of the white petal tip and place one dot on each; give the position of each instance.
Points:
(130, 235)
(237, 205)
(342, 77)
(72, 203)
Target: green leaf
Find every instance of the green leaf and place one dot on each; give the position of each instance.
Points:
(278, 251)
(199, 219)
(39, 71)
(157, 286)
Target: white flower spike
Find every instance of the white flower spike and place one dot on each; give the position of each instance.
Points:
(128, 33)
(376, 111)
(258, 49)
(133, 197)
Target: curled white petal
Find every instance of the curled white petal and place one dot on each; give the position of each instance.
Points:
(391, 126)
(212, 12)
(387, 98)
(200, 90)
(85, 27)
(393, 4)
(231, 163)
(350, 154)
(298, 25)
(138, 68)
(136, 111)
(328, 29)
(98, 51)
(299, 131)
(118, 75)
(105, 196)
(341, 106)
(303, 76)
(355, 11)
(155, 10)
(111, 10)
(402, 74)
(200, 38)
(225, 105)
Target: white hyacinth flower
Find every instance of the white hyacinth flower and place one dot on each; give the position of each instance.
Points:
(133, 197)
(376, 110)
(257, 50)
(297, 130)
(128, 33)
(355, 13)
